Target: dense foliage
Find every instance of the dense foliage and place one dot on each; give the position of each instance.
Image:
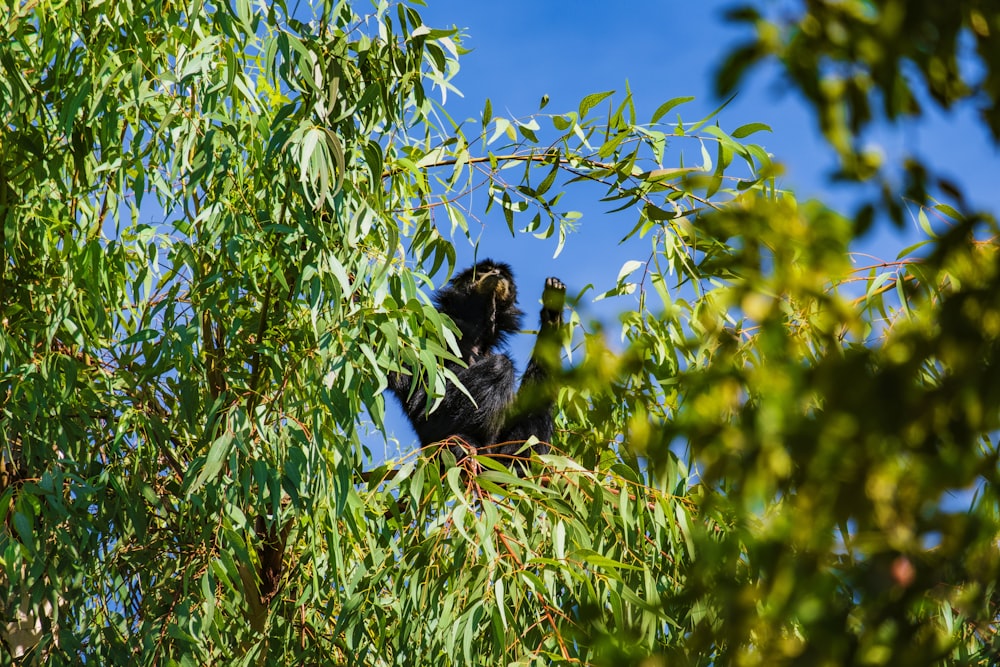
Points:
(218, 223)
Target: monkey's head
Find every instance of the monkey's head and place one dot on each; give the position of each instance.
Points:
(491, 280)
(482, 301)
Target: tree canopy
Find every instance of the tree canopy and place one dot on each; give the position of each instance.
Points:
(221, 227)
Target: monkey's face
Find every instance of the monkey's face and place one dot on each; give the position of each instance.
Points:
(492, 281)
(496, 284)
(482, 300)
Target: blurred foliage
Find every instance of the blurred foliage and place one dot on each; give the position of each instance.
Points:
(218, 227)
(861, 62)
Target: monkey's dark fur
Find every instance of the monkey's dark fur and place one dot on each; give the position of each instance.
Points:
(482, 301)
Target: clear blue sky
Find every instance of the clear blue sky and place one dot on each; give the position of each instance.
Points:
(522, 50)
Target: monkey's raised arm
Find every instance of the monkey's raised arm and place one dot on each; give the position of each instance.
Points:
(531, 413)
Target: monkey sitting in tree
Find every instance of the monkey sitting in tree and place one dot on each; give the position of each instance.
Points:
(482, 301)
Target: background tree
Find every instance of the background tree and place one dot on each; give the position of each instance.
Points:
(219, 229)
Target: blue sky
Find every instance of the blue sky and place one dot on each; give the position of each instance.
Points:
(522, 50)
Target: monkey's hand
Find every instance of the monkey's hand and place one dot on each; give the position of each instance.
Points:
(553, 300)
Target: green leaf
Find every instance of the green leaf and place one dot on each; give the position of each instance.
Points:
(498, 591)
(25, 530)
(667, 106)
(487, 113)
(948, 211)
(706, 159)
(750, 128)
(140, 336)
(217, 455)
(592, 100)
(599, 560)
(628, 268)
(503, 126)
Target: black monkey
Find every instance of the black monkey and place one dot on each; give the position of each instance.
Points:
(482, 301)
